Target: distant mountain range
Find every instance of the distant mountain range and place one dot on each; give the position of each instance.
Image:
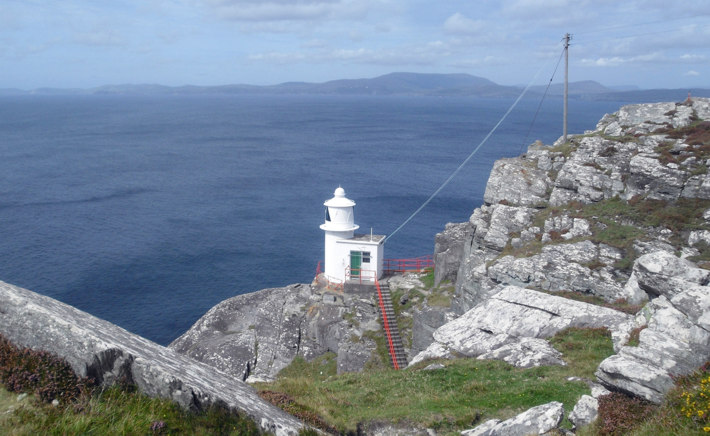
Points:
(390, 84)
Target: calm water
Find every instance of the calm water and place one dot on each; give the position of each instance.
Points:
(147, 211)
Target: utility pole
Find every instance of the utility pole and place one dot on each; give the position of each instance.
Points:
(564, 116)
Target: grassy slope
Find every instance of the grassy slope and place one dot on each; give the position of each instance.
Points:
(456, 397)
(115, 411)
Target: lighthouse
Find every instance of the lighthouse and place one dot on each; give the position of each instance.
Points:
(349, 256)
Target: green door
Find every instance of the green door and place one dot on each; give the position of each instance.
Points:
(355, 263)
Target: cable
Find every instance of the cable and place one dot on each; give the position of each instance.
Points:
(527, 135)
(473, 153)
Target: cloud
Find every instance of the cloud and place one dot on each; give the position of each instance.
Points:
(691, 73)
(620, 60)
(287, 10)
(693, 58)
(458, 23)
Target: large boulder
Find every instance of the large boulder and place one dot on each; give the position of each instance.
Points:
(105, 352)
(254, 336)
(663, 273)
(517, 182)
(565, 267)
(675, 342)
(535, 421)
(503, 326)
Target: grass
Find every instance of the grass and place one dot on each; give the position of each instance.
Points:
(86, 409)
(451, 399)
(120, 411)
(620, 223)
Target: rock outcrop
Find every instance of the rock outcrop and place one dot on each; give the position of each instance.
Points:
(537, 420)
(676, 337)
(620, 213)
(512, 325)
(254, 336)
(105, 352)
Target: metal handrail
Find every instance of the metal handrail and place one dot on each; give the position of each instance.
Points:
(363, 275)
(415, 264)
(386, 325)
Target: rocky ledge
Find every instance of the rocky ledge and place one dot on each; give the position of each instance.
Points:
(105, 352)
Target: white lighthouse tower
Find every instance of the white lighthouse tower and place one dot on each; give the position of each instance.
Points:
(347, 255)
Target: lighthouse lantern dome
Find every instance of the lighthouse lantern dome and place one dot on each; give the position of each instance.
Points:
(339, 215)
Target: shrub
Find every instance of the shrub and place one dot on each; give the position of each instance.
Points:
(39, 372)
(696, 403)
(619, 414)
(634, 337)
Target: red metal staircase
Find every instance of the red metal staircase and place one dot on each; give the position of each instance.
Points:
(389, 323)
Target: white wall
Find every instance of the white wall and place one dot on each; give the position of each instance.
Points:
(376, 249)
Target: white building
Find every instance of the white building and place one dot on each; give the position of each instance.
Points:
(349, 256)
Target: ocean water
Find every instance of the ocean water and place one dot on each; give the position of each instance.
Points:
(147, 211)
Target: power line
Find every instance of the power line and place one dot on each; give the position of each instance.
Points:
(473, 153)
(542, 99)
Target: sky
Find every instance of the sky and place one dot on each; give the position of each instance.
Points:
(88, 43)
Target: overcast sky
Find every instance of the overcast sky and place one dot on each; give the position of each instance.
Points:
(86, 43)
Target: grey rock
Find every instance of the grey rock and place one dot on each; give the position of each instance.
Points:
(649, 177)
(433, 367)
(526, 353)
(584, 412)
(425, 321)
(497, 326)
(258, 333)
(517, 182)
(105, 352)
(697, 186)
(675, 343)
(385, 429)
(505, 220)
(698, 236)
(448, 251)
(535, 421)
(694, 302)
(352, 356)
(662, 273)
(561, 267)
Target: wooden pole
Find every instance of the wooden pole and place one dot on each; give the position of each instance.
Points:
(564, 116)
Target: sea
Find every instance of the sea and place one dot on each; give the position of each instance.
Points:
(147, 211)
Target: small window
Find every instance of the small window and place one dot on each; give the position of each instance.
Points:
(327, 214)
(365, 257)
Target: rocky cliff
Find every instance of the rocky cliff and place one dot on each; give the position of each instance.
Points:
(618, 217)
(609, 229)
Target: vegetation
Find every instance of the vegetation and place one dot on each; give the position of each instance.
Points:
(620, 223)
(685, 412)
(463, 393)
(82, 408)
